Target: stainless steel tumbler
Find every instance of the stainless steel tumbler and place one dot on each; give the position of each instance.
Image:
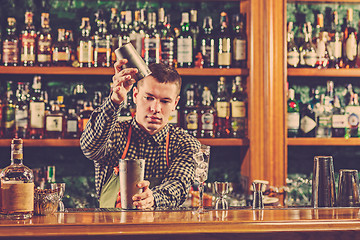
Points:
(131, 172)
(323, 182)
(128, 52)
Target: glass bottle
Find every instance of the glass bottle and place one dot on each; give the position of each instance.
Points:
(194, 30)
(352, 112)
(207, 115)
(307, 51)
(321, 41)
(125, 113)
(324, 117)
(293, 56)
(71, 124)
(124, 36)
(69, 41)
(21, 112)
(17, 186)
(137, 33)
(151, 41)
(85, 115)
(61, 50)
(54, 122)
(85, 48)
(190, 112)
(350, 41)
(335, 44)
(28, 41)
(114, 27)
(168, 46)
(239, 56)
(10, 51)
(307, 115)
(36, 111)
(222, 106)
(9, 112)
(293, 114)
(102, 48)
(79, 97)
(224, 41)
(238, 104)
(44, 42)
(207, 41)
(184, 43)
(339, 119)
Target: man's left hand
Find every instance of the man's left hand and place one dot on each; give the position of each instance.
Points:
(144, 200)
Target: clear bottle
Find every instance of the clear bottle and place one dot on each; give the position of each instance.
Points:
(168, 43)
(9, 112)
(307, 51)
(321, 41)
(339, 120)
(207, 115)
(124, 36)
(335, 44)
(44, 42)
(10, 50)
(36, 111)
(61, 50)
(350, 42)
(28, 41)
(190, 112)
(238, 104)
(324, 118)
(102, 47)
(71, 124)
(137, 33)
(151, 47)
(185, 53)
(114, 27)
(21, 112)
(17, 186)
(54, 122)
(239, 56)
(293, 56)
(293, 114)
(352, 112)
(224, 42)
(222, 106)
(85, 48)
(207, 43)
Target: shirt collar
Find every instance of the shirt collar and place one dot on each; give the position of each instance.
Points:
(159, 137)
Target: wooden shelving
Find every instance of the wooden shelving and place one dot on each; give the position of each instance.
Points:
(330, 72)
(323, 142)
(110, 71)
(323, 1)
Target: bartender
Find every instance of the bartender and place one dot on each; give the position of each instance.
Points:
(167, 150)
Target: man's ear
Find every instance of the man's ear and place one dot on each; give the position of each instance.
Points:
(135, 93)
(176, 102)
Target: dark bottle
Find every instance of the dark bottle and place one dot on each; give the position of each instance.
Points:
(71, 124)
(102, 47)
(222, 106)
(293, 56)
(224, 42)
(124, 36)
(335, 44)
(208, 43)
(21, 112)
(114, 28)
(61, 50)
(307, 115)
(85, 115)
(28, 41)
(293, 114)
(54, 122)
(36, 111)
(9, 112)
(194, 30)
(207, 115)
(44, 42)
(190, 113)
(339, 120)
(239, 55)
(238, 104)
(151, 42)
(168, 43)
(137, 32)
(125, 111)
(184, 43)
(350, 41)
(10, 50)
(85, 48)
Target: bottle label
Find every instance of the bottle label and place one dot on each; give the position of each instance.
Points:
(54, 123)
(37, 113)
(173, 118)
(184, 50)
(83, 123)
(352, 114)
(324, 121)
(335, 49)
(44, 58)
(339, 121)
(293, 58)
(192, 121)
(207, 120)
(240, 49)
(350, 47)
(307, 124)
(71, 126)
(85, 52)
(238, 109)
(224, 54)
(21, 118)
(61, 56)
(28, 48)
(17, 197)
(321, 48)
(310, 58)
(167, 51)
(223, 109)
(10, 52)
(208, 52)
(293, 120)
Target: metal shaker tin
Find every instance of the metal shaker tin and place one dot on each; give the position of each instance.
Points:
(128, 52)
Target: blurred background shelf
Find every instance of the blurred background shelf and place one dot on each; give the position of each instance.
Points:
(331, 72)
(323, 142)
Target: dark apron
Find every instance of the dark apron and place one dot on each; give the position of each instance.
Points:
(110, 190)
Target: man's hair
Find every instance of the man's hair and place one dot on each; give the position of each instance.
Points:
(164, 74)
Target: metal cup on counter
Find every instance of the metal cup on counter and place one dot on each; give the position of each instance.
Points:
(348, 191)
(323, 182)
(131, 172)
(259, 187)
(127, 51)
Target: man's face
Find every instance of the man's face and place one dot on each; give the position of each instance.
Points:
(154, 103)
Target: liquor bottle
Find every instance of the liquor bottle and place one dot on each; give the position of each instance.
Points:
(194, 30)
(71, 124)
(238, 104)
(36, 111)
(125, 113)
(44, 42)
(79, 95)
(207, 115)
(190, 112)
(98, 100)
(114, 27)
(352, 112)
(293, 56)
(17, 186)
(307, 115)
(69, 40)
(335, 44)
(207, 41)
(85, 115)
(174, 118)
(348, 95)
(222, 106)
(54, 122)
(28, 41)
(168, 43)
(102, 48)
(321, 42)
(151, 42)
(339, 120)
(324, 117)
(137, 33)
(49, 172)
(85, 48)
(307, 51)
(239, 56)
(293, 114)
(21, 112)
(9, 112)
(10, 50)
(124, 36)
(350, 41)
(224, 41)
(61, 50)
(184, 43)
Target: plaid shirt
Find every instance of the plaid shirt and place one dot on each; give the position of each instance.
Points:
(104, 141)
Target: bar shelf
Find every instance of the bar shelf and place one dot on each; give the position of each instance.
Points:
(323, 142)
(330, 72)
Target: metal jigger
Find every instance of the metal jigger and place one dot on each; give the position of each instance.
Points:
(258, 188)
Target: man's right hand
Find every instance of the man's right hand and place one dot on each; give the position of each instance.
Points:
(123, 81)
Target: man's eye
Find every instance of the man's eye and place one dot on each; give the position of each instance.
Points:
(149, 98)
(165, 101)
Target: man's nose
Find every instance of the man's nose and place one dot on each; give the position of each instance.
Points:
(155, 106)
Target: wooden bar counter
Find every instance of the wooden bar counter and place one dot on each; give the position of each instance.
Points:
(291, 223)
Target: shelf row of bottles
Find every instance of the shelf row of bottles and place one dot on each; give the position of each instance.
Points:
(151, 33)
(322, 47)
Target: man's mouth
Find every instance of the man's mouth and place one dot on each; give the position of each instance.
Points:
(154, 119)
